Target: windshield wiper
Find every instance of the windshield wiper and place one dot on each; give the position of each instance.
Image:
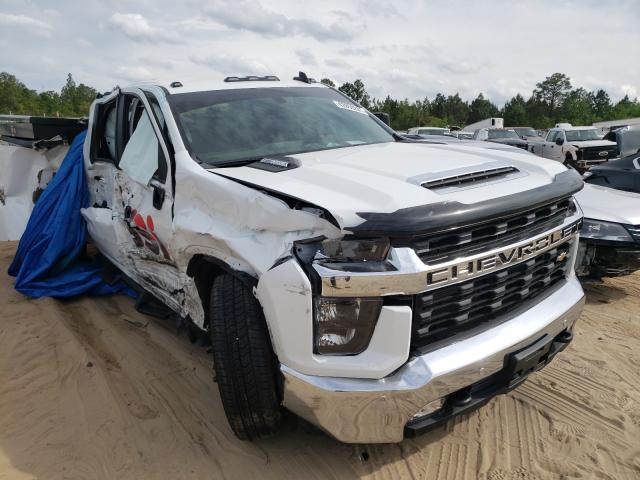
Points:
(235, 163)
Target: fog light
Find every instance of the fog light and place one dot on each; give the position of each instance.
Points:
(429, 408)
(344, 326)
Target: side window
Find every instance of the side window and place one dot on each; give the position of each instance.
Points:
(551, 136)
(103, 138)
(143, 157)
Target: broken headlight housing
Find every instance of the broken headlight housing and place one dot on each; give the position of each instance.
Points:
(353, 255)
(344, 326)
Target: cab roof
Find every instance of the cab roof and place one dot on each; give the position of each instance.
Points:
(189, 86)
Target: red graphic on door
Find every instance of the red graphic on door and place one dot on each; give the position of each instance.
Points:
(143, 232)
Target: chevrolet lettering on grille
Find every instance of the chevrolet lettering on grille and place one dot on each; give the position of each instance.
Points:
(412, 276)
(510, 255)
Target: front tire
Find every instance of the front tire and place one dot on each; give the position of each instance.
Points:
(570, 163)
(244, 362)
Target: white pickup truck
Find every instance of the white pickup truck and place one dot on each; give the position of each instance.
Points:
(577, 147)
(373, 285)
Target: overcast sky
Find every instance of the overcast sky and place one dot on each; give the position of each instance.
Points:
(403, 48)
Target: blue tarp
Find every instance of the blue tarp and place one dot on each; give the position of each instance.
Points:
(50, 260)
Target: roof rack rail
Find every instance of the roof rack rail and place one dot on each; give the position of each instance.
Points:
(253, 78)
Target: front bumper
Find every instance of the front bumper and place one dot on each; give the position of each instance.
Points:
(607, 258)
(585, 165)
(378, 411)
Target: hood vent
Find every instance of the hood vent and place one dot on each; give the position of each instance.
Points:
(467, 179)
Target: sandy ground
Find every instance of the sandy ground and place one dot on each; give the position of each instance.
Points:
(90, 388)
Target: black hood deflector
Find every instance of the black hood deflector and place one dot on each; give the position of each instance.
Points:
(439, 217)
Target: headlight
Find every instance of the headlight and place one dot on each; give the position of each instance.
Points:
(353, 250)
(354, 255)
(598, 230)
(344, 326)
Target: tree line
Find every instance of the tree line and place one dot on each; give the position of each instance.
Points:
(553, 100)
(72, 100)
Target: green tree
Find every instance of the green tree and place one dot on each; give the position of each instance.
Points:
(515, 112)
(552, 92)
(457, 110)
(577, 108)
(76, 99)
(625, 108)
(481, 108)
(601, 104)
(357, 92)
(328, 82)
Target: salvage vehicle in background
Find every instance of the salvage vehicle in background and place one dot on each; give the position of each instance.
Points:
(429, 131)
(374, 285)
(627, 138)
(576, 147)
(622, 174)
(610, 235)
(505, 136)
(529, 135)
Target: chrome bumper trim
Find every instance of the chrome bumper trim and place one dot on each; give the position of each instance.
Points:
(376, 411)
(412, 276)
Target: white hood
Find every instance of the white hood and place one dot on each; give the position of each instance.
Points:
(609, 205)
(594, 143)
(378, 178)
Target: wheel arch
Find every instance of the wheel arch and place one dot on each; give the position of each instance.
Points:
(204, 268)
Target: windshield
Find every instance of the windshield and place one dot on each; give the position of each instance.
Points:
(493, 134)
(526, 132)
(581, 135)
(231, 126)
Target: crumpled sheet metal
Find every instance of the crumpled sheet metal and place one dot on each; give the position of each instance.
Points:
(24, 173)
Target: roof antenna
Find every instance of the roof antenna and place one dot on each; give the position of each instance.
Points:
(302, 77)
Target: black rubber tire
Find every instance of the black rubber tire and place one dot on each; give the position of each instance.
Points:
(244, 362)
(570, 163)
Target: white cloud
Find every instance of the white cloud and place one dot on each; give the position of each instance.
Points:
(134, 74)
(337, 63)
(137, 27)
(252, 16)
(406, 49)
(306, 57)
(31, 24)
(231, 65)
(629, 90)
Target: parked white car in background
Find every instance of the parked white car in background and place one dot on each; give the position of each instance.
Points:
(429, 131)
(578, 147)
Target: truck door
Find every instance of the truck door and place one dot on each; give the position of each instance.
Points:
(550, 148)
(144, 183)
(546, 144)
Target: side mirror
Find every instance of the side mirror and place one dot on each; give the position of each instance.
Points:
(383, 117)
(559, 141)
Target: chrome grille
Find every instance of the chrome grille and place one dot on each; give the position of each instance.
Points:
(593, 153)
(455, 310)
(459, 241)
